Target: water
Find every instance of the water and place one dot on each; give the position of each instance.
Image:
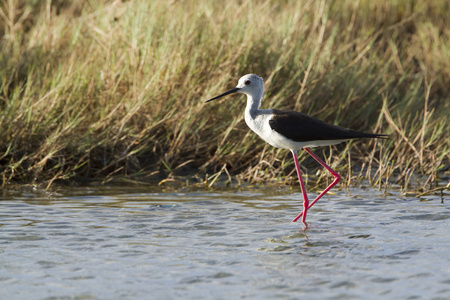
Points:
(126, 244)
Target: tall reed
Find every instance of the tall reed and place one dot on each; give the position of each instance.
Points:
(116, 89)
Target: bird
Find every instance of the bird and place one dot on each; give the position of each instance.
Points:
(292, 130)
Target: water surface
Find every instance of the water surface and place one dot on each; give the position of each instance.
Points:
(115, 243)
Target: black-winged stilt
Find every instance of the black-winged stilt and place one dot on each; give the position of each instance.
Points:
(291, 130)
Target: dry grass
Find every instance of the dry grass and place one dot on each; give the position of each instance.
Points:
(116, 89)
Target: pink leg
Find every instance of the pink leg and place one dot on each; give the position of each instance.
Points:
(337, 177)
(302, 187)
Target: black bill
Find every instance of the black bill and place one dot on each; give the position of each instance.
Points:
(224, 94)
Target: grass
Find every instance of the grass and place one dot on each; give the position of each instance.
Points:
(115, 89)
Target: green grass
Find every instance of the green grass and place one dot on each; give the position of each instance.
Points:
(110, 89)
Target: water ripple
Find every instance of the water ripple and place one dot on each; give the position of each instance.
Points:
(223, 246)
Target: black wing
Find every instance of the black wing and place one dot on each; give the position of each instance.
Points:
(303, 128)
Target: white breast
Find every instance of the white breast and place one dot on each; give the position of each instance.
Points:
(259, 123)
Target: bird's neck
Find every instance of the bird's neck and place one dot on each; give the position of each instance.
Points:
(252, 113)
(253, 104)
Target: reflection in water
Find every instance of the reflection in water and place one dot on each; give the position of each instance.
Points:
(121, 245)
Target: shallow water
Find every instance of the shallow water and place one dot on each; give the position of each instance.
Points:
(121, 244)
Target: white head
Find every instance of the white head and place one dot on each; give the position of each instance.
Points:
(252, 85)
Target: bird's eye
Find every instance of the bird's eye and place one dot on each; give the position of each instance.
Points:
(247, 82)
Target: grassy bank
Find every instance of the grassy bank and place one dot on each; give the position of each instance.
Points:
(116, 89)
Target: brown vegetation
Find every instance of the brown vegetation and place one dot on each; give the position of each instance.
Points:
(116, 89)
